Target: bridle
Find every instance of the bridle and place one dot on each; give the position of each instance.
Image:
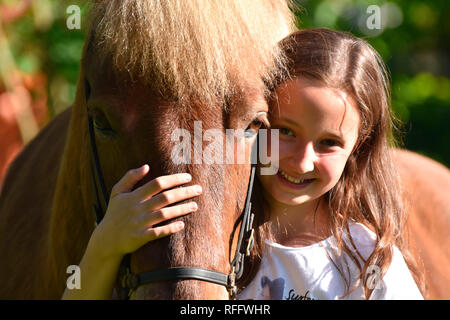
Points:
(129, 282)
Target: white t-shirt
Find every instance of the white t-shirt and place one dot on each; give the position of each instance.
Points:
(304, 273)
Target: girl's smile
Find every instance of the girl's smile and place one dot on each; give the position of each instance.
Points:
(289, 181)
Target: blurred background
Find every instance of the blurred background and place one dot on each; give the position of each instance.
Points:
(41, 45)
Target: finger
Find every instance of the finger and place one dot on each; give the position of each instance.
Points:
(129, 180)
(164, 231)
(170, 197)
(168, 213)
(162, 183)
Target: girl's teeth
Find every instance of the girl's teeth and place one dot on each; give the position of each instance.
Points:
(291, 179)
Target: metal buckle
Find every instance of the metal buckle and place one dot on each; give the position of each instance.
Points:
(231, 286)
(123, 280)
(132, 281)
(129, 281)
(250, 242)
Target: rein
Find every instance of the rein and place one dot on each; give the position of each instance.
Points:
(128, 282)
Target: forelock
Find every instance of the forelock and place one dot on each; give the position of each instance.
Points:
(198, 49)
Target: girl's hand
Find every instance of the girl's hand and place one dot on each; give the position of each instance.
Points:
(130, 216)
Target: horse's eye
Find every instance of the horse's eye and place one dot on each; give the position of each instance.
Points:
(255, 125)
(101, 123)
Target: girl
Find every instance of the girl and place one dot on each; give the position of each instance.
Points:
(333, 214)
(334, 208)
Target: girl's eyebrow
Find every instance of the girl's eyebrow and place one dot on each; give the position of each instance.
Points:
(335, 135)
(331, 133)
(290, 121)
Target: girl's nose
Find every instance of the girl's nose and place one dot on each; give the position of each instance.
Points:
(304, 158)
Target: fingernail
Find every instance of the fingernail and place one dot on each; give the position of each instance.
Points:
(187, 177)
(197, 189)
(180, 224)
(194, 206)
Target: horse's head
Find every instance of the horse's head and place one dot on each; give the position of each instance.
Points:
(149, 72)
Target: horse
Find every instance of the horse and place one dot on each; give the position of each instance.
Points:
(425, 189)
(202, 72)
(148, 68)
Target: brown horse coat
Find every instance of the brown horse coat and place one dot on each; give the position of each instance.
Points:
(25, 214)
(426, 187)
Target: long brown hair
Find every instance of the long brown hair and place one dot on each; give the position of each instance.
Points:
(368, 191)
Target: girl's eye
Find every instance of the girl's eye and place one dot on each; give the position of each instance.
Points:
(286, 132)
(330, 143)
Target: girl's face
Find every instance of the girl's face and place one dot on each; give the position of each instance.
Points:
(318, 128)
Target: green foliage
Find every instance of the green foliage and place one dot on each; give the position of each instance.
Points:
(41, 42)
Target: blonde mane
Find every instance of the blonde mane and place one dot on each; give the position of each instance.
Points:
(194, 49)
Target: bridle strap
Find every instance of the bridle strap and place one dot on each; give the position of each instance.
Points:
(96, 171)
(246, 230)
(180, 273)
